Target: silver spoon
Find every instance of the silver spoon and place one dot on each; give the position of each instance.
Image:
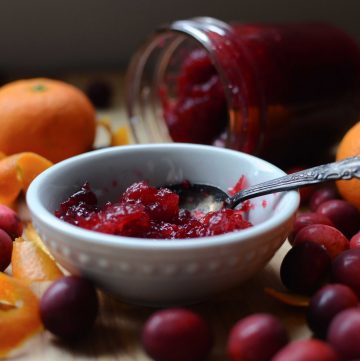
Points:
(206, 198)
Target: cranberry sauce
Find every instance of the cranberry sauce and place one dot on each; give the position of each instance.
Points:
(146, 212)
(266, 89)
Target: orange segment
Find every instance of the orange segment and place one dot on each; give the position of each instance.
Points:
(10, 182)
(29, 166)
(30, 263)
(19, 314)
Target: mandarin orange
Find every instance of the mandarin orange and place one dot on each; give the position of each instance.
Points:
(48, 117)
(348, 147)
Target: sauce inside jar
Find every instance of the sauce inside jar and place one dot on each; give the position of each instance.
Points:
(285, 92)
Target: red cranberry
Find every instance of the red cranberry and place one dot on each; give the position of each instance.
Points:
(306, 350)
(355, 240)
(327, 303)
(344, 333)
(10, 222)
(176, 334)
(256, 337)
(305, 219)
(322, 195)
(328, 237)
(342, 214)
(6, 247)
(69, 307)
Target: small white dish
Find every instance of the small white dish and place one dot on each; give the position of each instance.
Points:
(161, 272)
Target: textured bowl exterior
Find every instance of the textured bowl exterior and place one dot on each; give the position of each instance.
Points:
(161, 272)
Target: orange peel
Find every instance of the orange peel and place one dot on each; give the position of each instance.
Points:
(17, 171)
(30, 234)
(31, 263)
(290, 299)
(120, 137)
(19, 314)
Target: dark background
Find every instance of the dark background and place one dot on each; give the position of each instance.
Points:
(46, 36)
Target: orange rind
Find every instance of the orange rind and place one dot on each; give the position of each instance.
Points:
(290, 299)
(120, 136)
(17, 171)
(19, 314)
(32, 264)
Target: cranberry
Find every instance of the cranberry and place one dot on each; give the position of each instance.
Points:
(327, 303)
(345, 269)
(344, 333)
(305, 219)
(6, 247)
(328, 237)
(306, 350)
(10, 222)
(322, 195)
(69, 307)
(342, 214)
(305, 267)
(176, 334)
(99, 93)
(256, 337)
(355, 240)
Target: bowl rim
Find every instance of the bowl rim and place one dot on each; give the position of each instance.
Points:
(39, 212)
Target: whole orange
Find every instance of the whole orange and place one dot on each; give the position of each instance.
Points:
(348, 147)
(48, 117)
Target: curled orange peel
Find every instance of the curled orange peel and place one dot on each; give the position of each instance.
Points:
(290, 299)
(30, 234)
(17, 171)
(120, 136)
(19, 314)
(30, 263)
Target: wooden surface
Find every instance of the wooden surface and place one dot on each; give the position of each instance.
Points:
(116, 335)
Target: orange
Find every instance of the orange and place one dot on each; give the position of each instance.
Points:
(47, 117)
(348, 147)
(19, 313)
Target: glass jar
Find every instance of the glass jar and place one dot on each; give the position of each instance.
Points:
(284, 92)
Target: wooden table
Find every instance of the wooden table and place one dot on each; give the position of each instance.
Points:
(116, 335)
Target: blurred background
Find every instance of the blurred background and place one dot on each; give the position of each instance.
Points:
(41, 37)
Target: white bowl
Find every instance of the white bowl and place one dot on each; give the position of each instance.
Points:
(161, 272)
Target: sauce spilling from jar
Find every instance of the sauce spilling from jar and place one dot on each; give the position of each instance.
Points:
(285, 92)
(146, 212)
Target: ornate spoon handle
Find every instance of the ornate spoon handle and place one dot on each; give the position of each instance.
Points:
(345, 169)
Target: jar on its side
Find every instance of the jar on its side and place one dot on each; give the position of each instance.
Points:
(284, 92)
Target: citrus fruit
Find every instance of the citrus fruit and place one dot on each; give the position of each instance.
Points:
(47, 117)
(348, 147)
